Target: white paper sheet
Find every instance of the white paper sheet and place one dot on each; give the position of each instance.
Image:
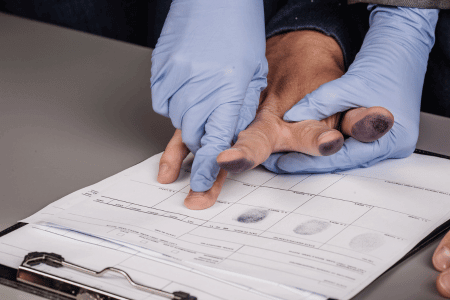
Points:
(97, 254)
(331, 234)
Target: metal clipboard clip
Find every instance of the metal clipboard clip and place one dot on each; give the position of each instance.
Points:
(75, 290)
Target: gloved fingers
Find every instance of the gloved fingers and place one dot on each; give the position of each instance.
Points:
(367, 124)
(443, 284)
(167, 81)
(250, 105)
(169, 169)
(359, 123)
(210, 96)
(202, 43)
(330, 98)
(172, 158)
(352, 155)
(203, 200)
(193, 126)
(218, 135)
(283, 162)
(271, 163)
(441, 256)
(268, 134)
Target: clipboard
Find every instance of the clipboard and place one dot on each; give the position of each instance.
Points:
(44, 284)
(53, 289)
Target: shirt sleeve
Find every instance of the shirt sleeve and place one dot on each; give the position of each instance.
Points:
(436, 4)
(347, 24)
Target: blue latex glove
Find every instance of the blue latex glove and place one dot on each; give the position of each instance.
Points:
(208, 69)
(388, 71)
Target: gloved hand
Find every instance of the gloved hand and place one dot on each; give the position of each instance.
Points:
(389, 72)
(208, 69)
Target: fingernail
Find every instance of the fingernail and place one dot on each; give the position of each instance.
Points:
(163, 169)
(444, 284)
(441, 259)
(324, 134)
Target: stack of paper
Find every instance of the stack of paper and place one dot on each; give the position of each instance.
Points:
(268, 236)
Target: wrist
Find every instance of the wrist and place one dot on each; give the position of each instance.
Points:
(318, 56)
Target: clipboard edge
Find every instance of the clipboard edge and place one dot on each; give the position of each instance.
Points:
(13, 283)
(429, 153)
(12, 228)
(8, 275)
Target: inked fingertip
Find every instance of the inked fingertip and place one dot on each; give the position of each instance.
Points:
(234, 160)
(382, 124)
(237, 166)
(372, 127)
(331, 147)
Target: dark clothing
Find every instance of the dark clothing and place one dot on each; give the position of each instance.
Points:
(440, 4)
(134, 21)
(436, 89)
(347, 24)
(141, 22)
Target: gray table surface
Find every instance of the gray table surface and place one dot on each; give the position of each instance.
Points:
(76, 108)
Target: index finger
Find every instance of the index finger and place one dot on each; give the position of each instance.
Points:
(218, 135)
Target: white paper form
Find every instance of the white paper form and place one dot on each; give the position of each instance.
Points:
(86, 192)
(331, 234)
(97, 254)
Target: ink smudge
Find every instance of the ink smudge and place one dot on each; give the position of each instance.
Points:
(237, 166)
(331, 147)
(366, 242)
(311, 227)
(372, 127)
(253, 216)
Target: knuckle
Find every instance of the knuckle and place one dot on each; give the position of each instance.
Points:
(178, 58)
(215, 144)
(190, 141)
(177, 62)
(169, 62)
(161, 107)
